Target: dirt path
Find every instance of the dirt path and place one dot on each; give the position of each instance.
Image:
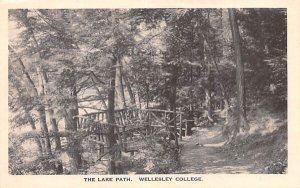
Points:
(202, 154)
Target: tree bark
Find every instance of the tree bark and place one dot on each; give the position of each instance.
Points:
(241, 108)
(74, 144)
(208, 88)
(45, 83)
(111, 117)
(42, 113)
(119, 86)
(44, 128)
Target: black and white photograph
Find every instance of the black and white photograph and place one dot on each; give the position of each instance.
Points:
(133, 91)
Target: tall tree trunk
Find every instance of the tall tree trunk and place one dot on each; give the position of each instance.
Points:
(224, 94)
(40, 108)
(242, 121)
(44, 128)
(111, 117)
(53, 121)
(42, 112)
(208, 88)
(41, 74)
(74, 143)
(119, 86)
(111, 100)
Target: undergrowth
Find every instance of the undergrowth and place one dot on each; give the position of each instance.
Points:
(266, 144)
(157, 156)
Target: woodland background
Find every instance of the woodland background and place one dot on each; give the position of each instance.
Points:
(221, 67)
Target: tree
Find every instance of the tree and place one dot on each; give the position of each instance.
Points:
(20, 100)
(240, 80)
(40, 107)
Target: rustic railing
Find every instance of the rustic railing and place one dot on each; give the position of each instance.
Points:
(128, 124)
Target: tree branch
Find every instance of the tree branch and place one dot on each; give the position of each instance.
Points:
(24, 70)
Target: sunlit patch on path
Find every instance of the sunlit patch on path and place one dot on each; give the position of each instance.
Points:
(201, 154)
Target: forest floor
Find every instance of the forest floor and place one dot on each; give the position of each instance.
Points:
(263, 151)
(202, 154)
